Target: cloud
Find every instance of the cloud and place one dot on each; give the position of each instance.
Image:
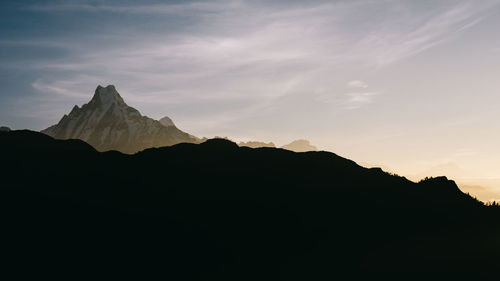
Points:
(165, 9)
(59, 88)
(390, 43)
(247, 52)
(357, 84)
(357, 100)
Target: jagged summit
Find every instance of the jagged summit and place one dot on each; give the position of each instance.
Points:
(107, 96)
(108, 123)
(167, 122)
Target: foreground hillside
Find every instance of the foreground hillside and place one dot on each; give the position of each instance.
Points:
(218, 211)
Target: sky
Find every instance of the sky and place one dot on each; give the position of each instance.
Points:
(411, 86)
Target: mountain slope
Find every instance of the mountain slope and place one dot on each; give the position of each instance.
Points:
(218, 211)
(108, 123)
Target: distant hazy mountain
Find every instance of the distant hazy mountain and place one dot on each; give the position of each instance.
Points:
(4, 129)
(300, 146)
(296, 146)
(256, 144)
(108, 123)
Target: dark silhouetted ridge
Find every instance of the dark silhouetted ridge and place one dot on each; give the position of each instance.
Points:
(25, 140)
(219, 144)
(216, 211)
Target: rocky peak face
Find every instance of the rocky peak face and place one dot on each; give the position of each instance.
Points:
(108, 123)
(107, 96)
(167, 122)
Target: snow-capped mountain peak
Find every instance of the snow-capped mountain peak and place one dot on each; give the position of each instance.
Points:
(106, 96)
(108, 123)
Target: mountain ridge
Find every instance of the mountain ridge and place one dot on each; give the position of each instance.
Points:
(231, 213)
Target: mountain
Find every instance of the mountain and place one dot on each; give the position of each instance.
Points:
(256, 144)
(300, 146)
(108, 123)
(4, 129)
(167, 122)
(217, 211)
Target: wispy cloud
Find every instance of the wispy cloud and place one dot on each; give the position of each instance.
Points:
(390, 42)
(243, 51)
(167, 9)
(361, 97)
(356, 100)
(60, 88)
(357, 84)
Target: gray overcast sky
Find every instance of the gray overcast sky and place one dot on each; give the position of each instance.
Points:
(407, 84)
